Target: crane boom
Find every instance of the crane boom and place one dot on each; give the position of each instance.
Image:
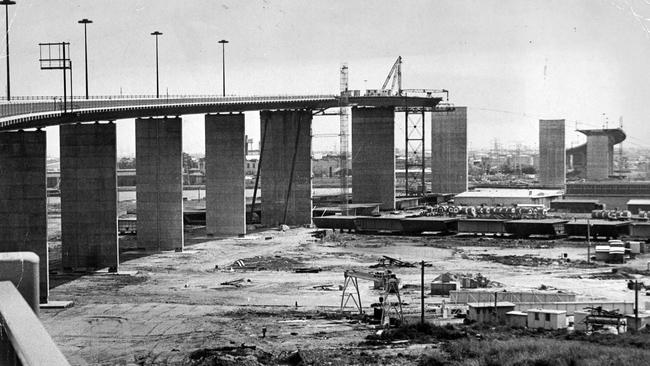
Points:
(396, 74)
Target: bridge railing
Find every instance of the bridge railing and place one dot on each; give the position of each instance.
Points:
(23, 339)
(40, 104)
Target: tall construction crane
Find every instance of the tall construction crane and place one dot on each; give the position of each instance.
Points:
(343, 138)
(395, 74)
(415, 165)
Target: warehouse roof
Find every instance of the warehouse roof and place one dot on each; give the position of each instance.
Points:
(510, 193)
(638, 202)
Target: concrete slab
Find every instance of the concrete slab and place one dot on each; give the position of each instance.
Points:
(56, 304)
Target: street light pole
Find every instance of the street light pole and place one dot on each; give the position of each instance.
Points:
(6, 3)
(223, 62)
(156, 33)
(85, 22)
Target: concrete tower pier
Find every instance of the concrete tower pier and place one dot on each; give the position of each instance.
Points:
(23, 199)
(552, 156)
(89, 196)
(599, 157)
(159, 187)
(594, 160)
(449, 151)
(285, 167)
(373, 156)
(225, 148)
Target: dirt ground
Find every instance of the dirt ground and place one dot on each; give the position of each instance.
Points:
(240, 301)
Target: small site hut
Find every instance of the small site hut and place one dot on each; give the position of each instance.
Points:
(643, 321)
(547, 318)
(489, 311)
(516, 319)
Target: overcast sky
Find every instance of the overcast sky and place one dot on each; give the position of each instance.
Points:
(510, 62)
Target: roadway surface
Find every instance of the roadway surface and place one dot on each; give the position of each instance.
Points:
(37, 112)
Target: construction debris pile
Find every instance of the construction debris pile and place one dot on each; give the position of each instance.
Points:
(386, 261)
(447, 282)
(259, 263)
(527, 260)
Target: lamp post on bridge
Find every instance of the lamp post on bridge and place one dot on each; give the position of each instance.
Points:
(223, 63)
(156, 34)
(6, 3)
(85, 22)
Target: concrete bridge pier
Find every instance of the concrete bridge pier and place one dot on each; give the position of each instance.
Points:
(599, 155)
(225, 156)
(373, 156)
(23, 199)
(89, 196)
(449, 151)
(285, 167)
(159, 188)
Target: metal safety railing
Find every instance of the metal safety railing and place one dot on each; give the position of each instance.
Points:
(23, 339)
(33, 104)
(36, 107)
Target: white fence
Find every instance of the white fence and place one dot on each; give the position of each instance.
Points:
(481, 296)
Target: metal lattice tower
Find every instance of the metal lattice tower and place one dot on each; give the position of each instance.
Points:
(343, 137)
(415, 161)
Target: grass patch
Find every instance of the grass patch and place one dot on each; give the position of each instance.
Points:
(417, 333)
(640, 339)
(504, 347)
(532, 352)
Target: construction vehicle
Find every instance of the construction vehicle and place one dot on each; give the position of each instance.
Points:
(598, 318)
(387, 281)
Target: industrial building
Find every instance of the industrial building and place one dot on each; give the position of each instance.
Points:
(613, 194)
(507, 197)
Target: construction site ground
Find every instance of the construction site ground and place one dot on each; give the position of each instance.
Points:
(174, 308)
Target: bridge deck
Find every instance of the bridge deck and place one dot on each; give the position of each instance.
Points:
(22, 114)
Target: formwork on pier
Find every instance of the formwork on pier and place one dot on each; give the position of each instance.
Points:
(481, 226)
(604, 228)
(525, 228)
(335, 222)
(379, 224)
(417, 225)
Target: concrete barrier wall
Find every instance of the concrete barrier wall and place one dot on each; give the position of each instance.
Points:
(21, 269)
(22, 335)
